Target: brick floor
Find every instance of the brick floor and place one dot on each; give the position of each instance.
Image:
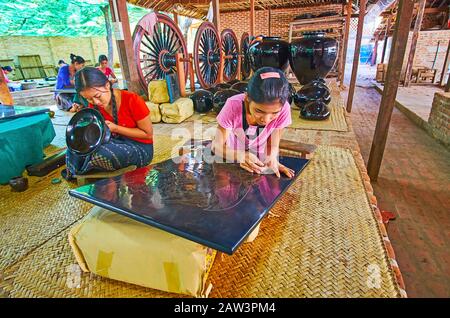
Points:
(414, 183)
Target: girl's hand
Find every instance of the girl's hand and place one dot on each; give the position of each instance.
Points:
(252, 163)
(75, 108)
(288, 172)
(278, 167)
(112, 127)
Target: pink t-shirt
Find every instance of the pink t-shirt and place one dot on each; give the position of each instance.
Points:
(107, 71)
(230, 118)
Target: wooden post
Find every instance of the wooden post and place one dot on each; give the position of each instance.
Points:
(191, 72)
(5, 95)
(415, 36)
(374, 52)
(445, 67)
(239, 75)
(221, 66)
(175, 18)
(359, 33)
(447, 87)
(216, 13)
(386, 38)
(252, 18)
(399, 41)
(180, 73)
(128, 65)
(109, 37)
(345, 42)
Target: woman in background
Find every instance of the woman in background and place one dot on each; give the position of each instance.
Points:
(103, 66)
(65, 79)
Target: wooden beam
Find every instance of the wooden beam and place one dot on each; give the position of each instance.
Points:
(119, 13)
(175, 18)
(5, 95)
(109, 36)
(252, 18)
(447, 87)
(399, 41)
(415, 37)
(374, 52)
(445, 67)
(216, 13)
(345, 44)
(359, 33)
(386, 39)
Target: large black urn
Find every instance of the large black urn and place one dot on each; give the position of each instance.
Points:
(312, 56)
(270, 51)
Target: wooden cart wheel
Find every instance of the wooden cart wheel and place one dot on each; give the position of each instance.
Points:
(155, 51)
(245, 65)
(207, 55)
(230, 48)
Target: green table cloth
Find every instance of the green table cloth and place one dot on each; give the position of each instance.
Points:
(22, 141)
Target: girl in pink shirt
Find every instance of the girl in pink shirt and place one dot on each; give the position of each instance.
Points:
(251, 124)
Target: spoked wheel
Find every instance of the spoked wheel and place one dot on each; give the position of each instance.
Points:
(154, 50)
(245, 65)
(230, 48)
(207, 55)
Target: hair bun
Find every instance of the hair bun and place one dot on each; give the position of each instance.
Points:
(72, 56)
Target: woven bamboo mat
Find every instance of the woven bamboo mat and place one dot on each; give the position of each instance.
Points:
(30, 218)
(324, 241)
(336, 122)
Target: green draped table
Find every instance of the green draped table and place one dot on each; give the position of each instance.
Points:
(22, 141)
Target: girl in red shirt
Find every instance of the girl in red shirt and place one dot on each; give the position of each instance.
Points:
(128, 119)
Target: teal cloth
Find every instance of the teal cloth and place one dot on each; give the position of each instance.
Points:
(22, 141)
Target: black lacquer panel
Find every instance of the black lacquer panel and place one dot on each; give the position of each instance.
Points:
(214, 204)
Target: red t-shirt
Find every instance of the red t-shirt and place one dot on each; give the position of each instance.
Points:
(132, 109)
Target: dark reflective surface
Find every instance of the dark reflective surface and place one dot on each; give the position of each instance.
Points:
(315, 110)
(217, 205)
(86, 131)
(203, 100)
(240, 86)
(12, 112)
(221, 97)
(312, 91)
(271, 51)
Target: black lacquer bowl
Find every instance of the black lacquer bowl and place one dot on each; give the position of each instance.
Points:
(315, 110)
(221, 97)
(86, 131)
(203, 100)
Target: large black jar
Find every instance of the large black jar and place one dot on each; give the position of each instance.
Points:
(271, 51)
(312, 56)
(203, 100)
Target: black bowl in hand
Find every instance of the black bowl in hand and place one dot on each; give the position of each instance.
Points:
(86, 131)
